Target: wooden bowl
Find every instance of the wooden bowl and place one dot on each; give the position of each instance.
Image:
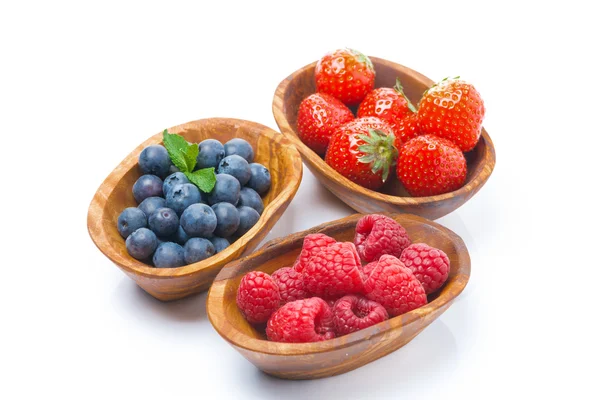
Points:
(392, 197)
(342, 354)
(115, 194)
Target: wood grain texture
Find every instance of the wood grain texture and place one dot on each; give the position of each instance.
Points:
(392, 197)
(343, 354)
(115, 194)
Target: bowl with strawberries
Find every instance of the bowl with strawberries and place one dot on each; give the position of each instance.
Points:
(384, 138)
(333, 298)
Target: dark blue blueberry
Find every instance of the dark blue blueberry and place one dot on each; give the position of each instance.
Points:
(235, 166)
(219, 243)
(164, 222)
(210, 155)
(129, 220)
(151, 204)
(199, 220)
(154, 160)
(141, 243)
(147, 186)
(198, 249)
(260, 178)
(178, 178)
(248, 217)
(228, 219)
(241, 148)
(180, 236)
(182, 196)
(249, 198)
(160, 241)
(227, 189)
(169, 255)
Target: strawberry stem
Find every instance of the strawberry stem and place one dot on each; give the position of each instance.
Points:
(398, 88)
(379, 151)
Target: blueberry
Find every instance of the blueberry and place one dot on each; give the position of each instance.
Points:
(154, 160)
(249, 198)
(151, 204)
(198, 249)
(260, 178)
(182, 196)
(235, 166)
(172, 180)
(199, 220)
(173, 169)
(169, 255)
(147, 186)
(241, 148)
(210, 155)
(228, 219)
(227, 189)
(180, 236)
(248, 217)
(129, 220)
(164, 222)
(141, 243)
(219, 243)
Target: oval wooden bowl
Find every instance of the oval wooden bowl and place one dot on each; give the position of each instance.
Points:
(343, 354)
(392, 197)
(115, 194)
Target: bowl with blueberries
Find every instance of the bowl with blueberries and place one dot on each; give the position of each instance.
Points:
(191, 199)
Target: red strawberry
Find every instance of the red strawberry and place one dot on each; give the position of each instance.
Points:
(318, 116)
(430, 165)
(346, 74)
(454, 110)
(363, 151)
(387, 104)
(406, 129)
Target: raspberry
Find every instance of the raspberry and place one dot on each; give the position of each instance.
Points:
(290, 283)
(429, 265)
(377, 235)
(353, 313)
(306, 320)
(393, 285)
(257, 297)
(313, 243)
(334, 271)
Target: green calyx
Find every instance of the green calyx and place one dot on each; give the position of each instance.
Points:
(398, 88)
(379, 151)
(362, 58)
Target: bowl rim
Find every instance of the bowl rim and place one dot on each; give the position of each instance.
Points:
(313, 159)
(216, 307)
(99, 203)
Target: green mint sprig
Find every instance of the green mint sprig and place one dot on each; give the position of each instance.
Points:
(183, 155)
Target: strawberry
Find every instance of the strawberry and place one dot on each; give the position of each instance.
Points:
(318, 116)
(454, 110)
(363, 151)
(406, 129)
(346, 74)
(430, 165)
(390, 105)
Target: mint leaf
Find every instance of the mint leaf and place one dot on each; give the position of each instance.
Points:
(205, 179)
(180, 151)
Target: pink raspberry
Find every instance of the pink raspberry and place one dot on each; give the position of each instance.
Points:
(430, 265)
(257, 297)
(313, 243)
(377, 235)
(352, 313)
(334, 271)
(393, 285)
(290, 283)
(306, 320)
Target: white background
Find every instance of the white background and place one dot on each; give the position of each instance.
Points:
(82, 84)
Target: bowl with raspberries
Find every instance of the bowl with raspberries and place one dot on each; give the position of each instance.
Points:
(384, 138)
(191, 199)
(333, 298)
